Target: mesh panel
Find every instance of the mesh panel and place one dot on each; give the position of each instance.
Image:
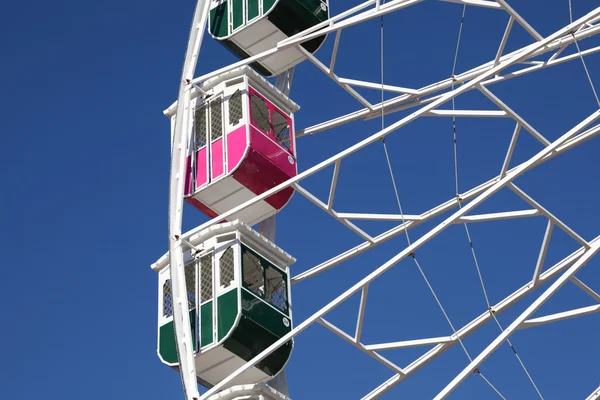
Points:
(226, 271)
(190, 284)
(276, 289)
(281, 129)
(253, 273)
(216, 123)
(206, 281)
(235, 108)
(260, 113)
(200, 126)
(167, 299)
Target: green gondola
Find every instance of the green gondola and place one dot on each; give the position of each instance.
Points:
(249, 27)
(240, 283)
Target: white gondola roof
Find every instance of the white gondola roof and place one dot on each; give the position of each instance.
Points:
(249, 236)
(256, 80)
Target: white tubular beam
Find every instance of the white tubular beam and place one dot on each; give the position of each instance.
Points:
(359, 346)
(377, 86)
(336, 173)
(528, 51)
(379, 217)
(478, 3)
(468, 113)
(513, 115)
(586, 288)
(478, 322)
(412, 101)
(542, 255)
(410, 343)
(334, 52)
(511, 149)
(547, 213)
(595, 395)
(416, 244)
(181, 320)
(336, 79)
(509, 26)
(520, 20)
(498, 216)
(361, 313)
(530, 323)
(324, 207)
(589, 253)
(432, 213)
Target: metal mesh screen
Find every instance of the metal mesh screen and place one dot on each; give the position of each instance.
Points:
(216, 122)
(167, 299)
(281, 129)
(226, 268)
(200, 125)
(235, 108)
(260, 113)
(276, 292)
(206, 278)
(190, 284)
(253, 273)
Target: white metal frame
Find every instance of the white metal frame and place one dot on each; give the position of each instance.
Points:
(429, 99)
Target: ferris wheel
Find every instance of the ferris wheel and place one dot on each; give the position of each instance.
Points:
(225, 315)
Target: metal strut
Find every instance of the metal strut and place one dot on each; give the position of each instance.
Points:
(181, 321)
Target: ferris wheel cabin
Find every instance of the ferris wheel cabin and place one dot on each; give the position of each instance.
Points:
(238, 301)
(249, 27)
(242, 144)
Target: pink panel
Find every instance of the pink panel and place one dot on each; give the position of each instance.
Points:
(272, 151)
(216, 151)
(236, 146)
(201, 173)
(188, 175)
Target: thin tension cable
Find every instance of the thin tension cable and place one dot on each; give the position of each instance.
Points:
(402, 213)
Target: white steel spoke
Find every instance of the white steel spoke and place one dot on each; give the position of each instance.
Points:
(336, 44)
(511, 149)
(509, 26)
(589, 253)
(520, 20)
(361, 313)
(542, 255)
(359, 346)
(475, 324)
(586, 288)
(411, 248)
(478, 3)
(324, 207)
(595, 395)
(559, 316)
(547, 213)
(514, 115)
(410, 343)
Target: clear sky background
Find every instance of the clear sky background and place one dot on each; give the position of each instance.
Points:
(83, 207)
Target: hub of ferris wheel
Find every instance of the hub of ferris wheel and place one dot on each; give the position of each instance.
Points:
(238, 143)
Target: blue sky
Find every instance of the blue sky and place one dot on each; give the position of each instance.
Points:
(83, 210)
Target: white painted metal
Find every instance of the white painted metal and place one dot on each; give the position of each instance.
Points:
(181, 322)
(430, 98)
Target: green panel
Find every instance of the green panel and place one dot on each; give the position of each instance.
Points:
(267, 5)
(293, 16)
(167, 346)
(206, 322)
(218, 24)
(249, 339)
(238, 13)
(263, 314)
(253, 9)
(227, 311)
